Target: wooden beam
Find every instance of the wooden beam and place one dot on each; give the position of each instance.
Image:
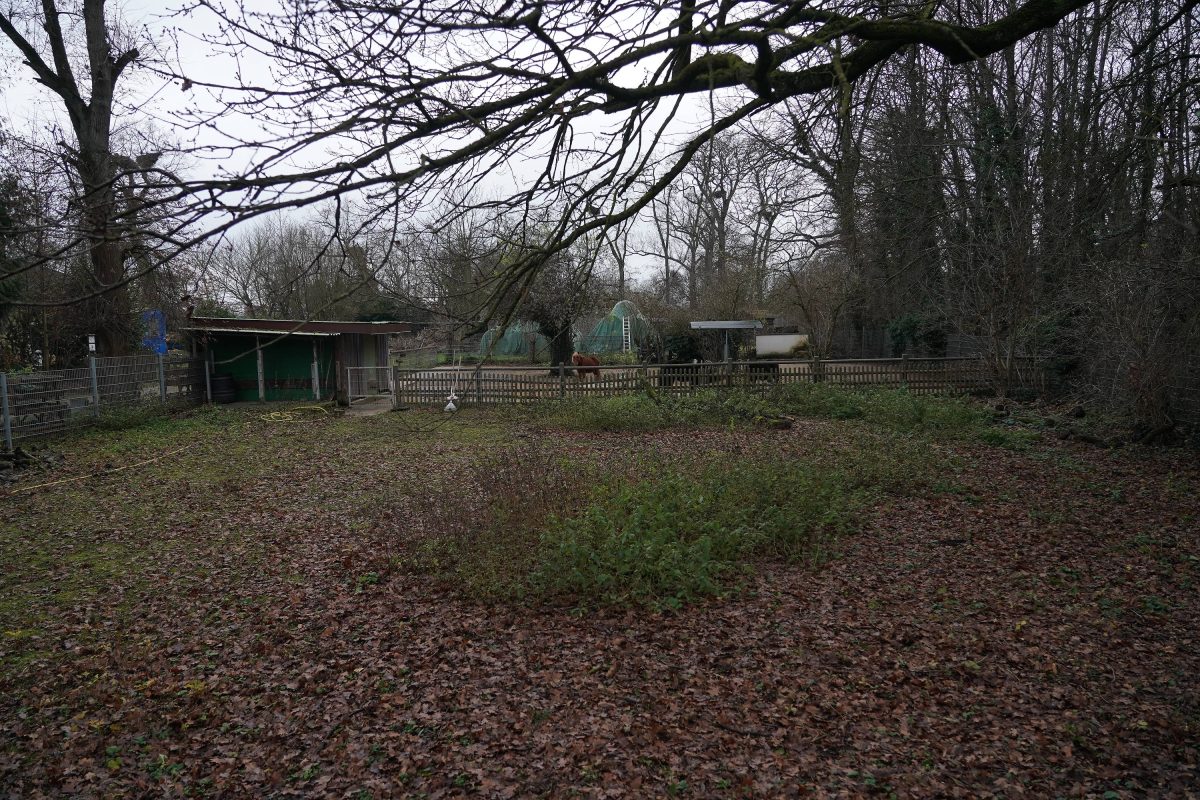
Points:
(316, 374)
(262, 381)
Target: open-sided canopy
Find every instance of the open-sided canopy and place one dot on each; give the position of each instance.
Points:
(726, 324)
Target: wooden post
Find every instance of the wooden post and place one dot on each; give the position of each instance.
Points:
(316, 373)
(162, 380)
(479, 385)
(262, 378)
(562, 381)
(904, 370)
(207, 380)
(8, 442)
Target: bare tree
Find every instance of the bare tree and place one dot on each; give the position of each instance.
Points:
(822, 289)
(519, 82)
(78, 52)
(297, 269)
(975, 164)
(445, 272)
(677, 243)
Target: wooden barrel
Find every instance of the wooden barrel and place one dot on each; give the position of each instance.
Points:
(224, 389)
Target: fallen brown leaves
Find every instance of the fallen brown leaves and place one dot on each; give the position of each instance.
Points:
(1032, 631)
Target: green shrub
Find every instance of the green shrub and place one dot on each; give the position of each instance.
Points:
(896, 410)
(819, 400)
(1009, 439)
(903, 411)
(653, 411)
(615, 359)
(739, 404)
(654, 529)
(636, 412)
(718, 407)
(662, 530)
(119, 418)
(665, 541)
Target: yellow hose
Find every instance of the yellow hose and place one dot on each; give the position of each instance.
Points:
(290, 415)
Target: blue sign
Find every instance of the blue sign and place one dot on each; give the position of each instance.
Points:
(154, 331)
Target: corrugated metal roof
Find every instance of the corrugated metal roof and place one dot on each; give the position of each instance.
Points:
(260, 331)
(726, 324)
(297, 326)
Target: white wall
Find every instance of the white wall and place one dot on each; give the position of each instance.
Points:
(778, 344)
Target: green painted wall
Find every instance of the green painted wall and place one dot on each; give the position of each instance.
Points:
(287, 364)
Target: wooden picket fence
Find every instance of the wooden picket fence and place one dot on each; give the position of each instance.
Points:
(502, 385)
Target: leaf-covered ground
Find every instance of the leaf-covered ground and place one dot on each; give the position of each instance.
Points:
(230, 621)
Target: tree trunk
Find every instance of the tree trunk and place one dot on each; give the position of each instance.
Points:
(561, 346)
(90, 112)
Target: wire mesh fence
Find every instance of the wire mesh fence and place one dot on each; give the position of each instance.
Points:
(47, 402)
(1184, 392)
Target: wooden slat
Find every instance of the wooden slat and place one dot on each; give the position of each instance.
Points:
(497, 385)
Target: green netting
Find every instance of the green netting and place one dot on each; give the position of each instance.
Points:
(609, 334)
(515, 340)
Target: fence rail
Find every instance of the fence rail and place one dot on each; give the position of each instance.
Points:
(495, 385)
(47, 402)
(52, 401)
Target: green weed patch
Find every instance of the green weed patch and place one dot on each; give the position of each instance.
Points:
(661, 531)
(896, 410)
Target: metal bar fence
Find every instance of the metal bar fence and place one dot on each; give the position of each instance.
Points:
(49, 402)
(364, 383)
(500, 385)
(1185, 393)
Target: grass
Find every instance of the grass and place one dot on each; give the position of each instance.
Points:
(529, 521)
(662, 528)
(664, 533)
(682, 536)
(937, 417)
(140, 428)
(897, 410)
(153, 617)
(221, 479)
(131, 416)
(636, 412)
(1014, 439)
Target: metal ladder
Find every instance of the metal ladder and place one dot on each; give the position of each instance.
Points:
(626, 335)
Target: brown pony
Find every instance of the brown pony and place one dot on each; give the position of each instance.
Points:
(585, 365)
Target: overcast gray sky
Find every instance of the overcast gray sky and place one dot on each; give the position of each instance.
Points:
(30, 108)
